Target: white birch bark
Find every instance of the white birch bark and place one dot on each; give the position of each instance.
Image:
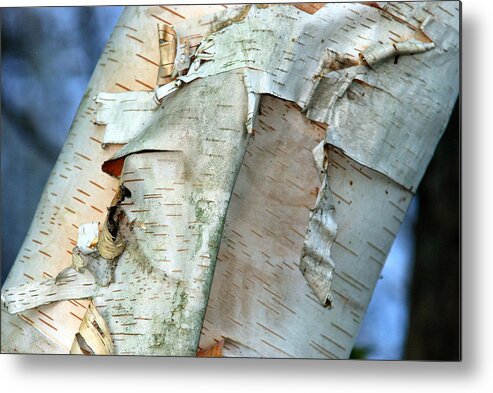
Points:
(384, 121)
(78, 191)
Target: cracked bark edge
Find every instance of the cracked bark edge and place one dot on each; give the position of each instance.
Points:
(93, 337)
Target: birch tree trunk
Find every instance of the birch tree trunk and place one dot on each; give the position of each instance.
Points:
(283, 154)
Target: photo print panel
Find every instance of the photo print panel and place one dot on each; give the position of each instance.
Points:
(233, 180)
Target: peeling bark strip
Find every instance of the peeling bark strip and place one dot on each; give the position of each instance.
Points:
(378, 53)
(316, 263)
(124, 115)
(93, 337)
(181, 162)
(68, 284)
(167, 51)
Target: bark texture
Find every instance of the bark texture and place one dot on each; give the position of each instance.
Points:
(376, 83)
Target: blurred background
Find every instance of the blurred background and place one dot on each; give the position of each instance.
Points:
(415, 310)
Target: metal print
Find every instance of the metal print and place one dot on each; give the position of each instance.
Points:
(234, 179)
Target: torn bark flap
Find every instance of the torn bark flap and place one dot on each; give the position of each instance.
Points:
(167, 51)
(125, 115)
(378, 53)
(69, 284)
(316, 263)
(319, 159)
(88, 237)
(93, 337)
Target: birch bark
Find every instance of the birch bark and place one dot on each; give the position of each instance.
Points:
(382, 77)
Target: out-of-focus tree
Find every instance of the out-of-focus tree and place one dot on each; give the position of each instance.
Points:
(434, 328)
